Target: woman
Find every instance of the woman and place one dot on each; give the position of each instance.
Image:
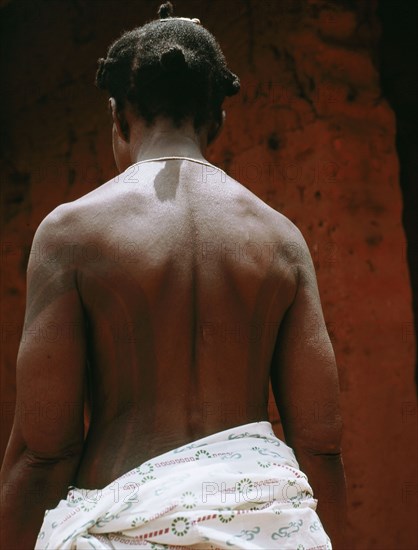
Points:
(189, 307)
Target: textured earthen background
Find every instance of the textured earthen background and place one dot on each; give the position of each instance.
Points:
(312, 133)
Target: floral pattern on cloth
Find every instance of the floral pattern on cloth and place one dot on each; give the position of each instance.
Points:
(238, 488)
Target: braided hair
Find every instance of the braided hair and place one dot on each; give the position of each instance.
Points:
(170, 67)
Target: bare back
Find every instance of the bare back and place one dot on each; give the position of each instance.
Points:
(184, 284)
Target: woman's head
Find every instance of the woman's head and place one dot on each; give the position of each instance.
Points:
(171, 67)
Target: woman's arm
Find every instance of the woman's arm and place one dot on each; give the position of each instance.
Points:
(305, 385)
(46, 443)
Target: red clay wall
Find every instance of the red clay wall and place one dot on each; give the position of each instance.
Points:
(310, 134)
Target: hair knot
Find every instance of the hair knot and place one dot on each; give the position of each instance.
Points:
(173, 59)
(165, 10)
(232, 84)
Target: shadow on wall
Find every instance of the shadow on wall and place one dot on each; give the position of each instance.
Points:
(398, 54)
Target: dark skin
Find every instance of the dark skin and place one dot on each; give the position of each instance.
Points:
(150, 289)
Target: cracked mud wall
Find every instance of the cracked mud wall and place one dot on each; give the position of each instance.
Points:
(310, 133)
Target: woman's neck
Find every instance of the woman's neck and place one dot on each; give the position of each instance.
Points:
(164, 140)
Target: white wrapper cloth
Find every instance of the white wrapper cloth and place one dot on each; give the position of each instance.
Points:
(239, 488)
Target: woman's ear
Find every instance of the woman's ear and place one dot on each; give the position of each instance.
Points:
(120, 138)
(119, 120)
(216, 126)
